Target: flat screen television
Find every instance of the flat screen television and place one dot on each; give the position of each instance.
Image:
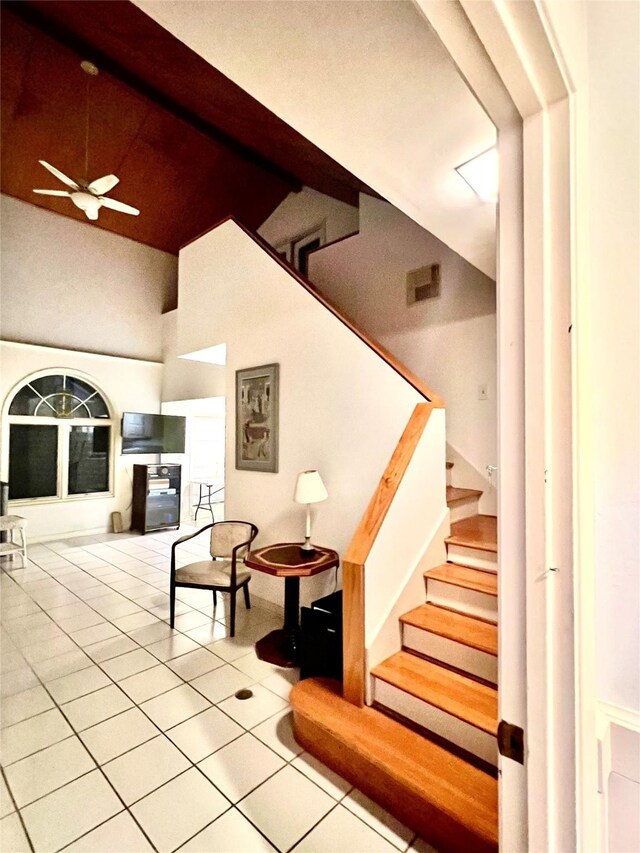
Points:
(142, 433)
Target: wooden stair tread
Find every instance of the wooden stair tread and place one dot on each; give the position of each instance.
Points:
(447, 800)
(478, 531)
(464, 576)
(449, 465)
(452, 692)
(456, 495)
(460, 627)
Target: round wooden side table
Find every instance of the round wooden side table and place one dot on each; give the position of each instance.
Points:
(287, 560)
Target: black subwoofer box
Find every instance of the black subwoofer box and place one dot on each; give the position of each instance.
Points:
(321, 638)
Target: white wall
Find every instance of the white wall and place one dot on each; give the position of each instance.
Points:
(604, 60)
(128, 385)
(342, 409)
(368, 83)
(303, 211)
(185, 379)
(613, 32)
(600, 42)
(449, 342)
(69, 284)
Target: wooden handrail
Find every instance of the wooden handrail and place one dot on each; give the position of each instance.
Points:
(400, 368)
(353, 564)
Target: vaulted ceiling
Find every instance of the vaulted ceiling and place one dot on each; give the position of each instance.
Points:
(189, 146)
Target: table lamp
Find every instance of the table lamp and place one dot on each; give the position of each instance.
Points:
(309, 490)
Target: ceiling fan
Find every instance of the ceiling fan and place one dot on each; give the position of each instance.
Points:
(89, 197)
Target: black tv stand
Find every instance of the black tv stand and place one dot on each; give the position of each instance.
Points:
(156, 498)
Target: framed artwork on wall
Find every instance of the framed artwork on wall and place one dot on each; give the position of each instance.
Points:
(257, 418)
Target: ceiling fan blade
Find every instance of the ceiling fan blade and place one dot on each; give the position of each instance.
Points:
(103, 185)
(59, 175)
(120, 206)
(53, 192)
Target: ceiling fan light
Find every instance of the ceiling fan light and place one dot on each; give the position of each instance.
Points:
(88, 203)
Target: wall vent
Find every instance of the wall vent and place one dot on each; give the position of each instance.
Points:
(423, 283)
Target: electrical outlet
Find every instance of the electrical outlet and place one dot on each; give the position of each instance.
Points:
(483, 392)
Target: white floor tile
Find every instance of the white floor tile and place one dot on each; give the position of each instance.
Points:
(111, 648)
(140, 771)
(115, 611)
(6, 804)
(178, 810)
(18, 681)
(120, 834)
(241, 766)
(164, 612)
(203, 734)
(53, 668)
(221, 683)
(282, 681)
(129, 664)
(12, 837)
(118, 735)
(69, 812)
(95, 634)
(84, 620)
(51, 768)
(195, 663)
(388, 826)
(172, 647)
(30, 735)
(232, 648)
(139, 619)
(322, 775)
(96, 707)
(341, 832)
(188, 621)
(208, 633)
(77, 684)
(150, 683)
(231, 833)
(148, 634)
(48, 649)
(305, 803)
(174, 707)
(277, 733)
(23, 705)
(253, 666)
(250, 712)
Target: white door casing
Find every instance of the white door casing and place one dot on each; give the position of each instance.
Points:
(507, 48)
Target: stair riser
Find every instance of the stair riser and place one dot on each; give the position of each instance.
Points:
(463, 509)
(439, 722)
(462, 599)
(473, 557)
(464, 658)
(448, 476)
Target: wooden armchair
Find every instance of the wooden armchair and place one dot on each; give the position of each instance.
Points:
(229, 544)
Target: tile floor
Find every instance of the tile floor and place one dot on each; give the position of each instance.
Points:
(118, 734)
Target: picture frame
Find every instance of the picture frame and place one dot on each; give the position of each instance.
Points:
(257, 401)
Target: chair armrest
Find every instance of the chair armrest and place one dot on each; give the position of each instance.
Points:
(185, 539)
(190, 536)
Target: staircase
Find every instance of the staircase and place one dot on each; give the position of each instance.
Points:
(427, 749)
(443, 681)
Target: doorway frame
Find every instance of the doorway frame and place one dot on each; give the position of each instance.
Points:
(511, 59)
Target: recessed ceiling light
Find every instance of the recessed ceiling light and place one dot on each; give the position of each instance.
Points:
(481, 173)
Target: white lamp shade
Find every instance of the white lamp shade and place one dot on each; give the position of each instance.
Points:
(309, 488)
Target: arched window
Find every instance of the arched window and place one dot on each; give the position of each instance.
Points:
(59, 439)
